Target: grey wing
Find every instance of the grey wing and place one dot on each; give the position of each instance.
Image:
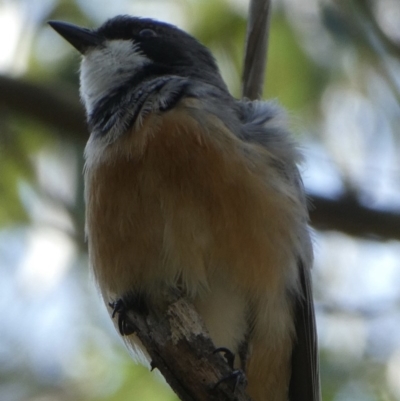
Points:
(304, 381)
(264, 123)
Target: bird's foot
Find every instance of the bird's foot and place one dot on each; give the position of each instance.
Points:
(237, 376)
(119, 308)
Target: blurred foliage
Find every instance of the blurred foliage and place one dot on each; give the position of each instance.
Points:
(294, 79)
(16, 165)
(316, 48)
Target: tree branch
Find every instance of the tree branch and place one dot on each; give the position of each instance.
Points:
(179, 345)
(256, 51)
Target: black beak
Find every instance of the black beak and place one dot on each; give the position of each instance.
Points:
(81, 38)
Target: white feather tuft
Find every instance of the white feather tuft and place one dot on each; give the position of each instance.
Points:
(108, 67)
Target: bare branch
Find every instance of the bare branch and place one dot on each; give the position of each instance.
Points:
(180, 347)
(256, 50)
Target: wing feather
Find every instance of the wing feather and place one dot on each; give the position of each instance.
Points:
(304, 382)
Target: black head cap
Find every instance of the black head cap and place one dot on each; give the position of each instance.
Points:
(159, 41)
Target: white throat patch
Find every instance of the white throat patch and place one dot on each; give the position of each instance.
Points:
(108, 67)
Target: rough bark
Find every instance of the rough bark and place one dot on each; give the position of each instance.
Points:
(179, 346)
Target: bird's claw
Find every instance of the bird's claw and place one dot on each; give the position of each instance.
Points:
(228, 355)
(237, 376)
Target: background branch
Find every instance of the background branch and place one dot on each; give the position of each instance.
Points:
(347, 215)
(255, 59)
(63, 112)
(61, 109)
(57, 106)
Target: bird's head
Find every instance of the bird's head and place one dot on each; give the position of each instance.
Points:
(130, 49)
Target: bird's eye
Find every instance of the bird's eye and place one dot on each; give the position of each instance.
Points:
(147, 33)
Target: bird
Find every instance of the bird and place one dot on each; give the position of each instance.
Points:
(188, 187)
